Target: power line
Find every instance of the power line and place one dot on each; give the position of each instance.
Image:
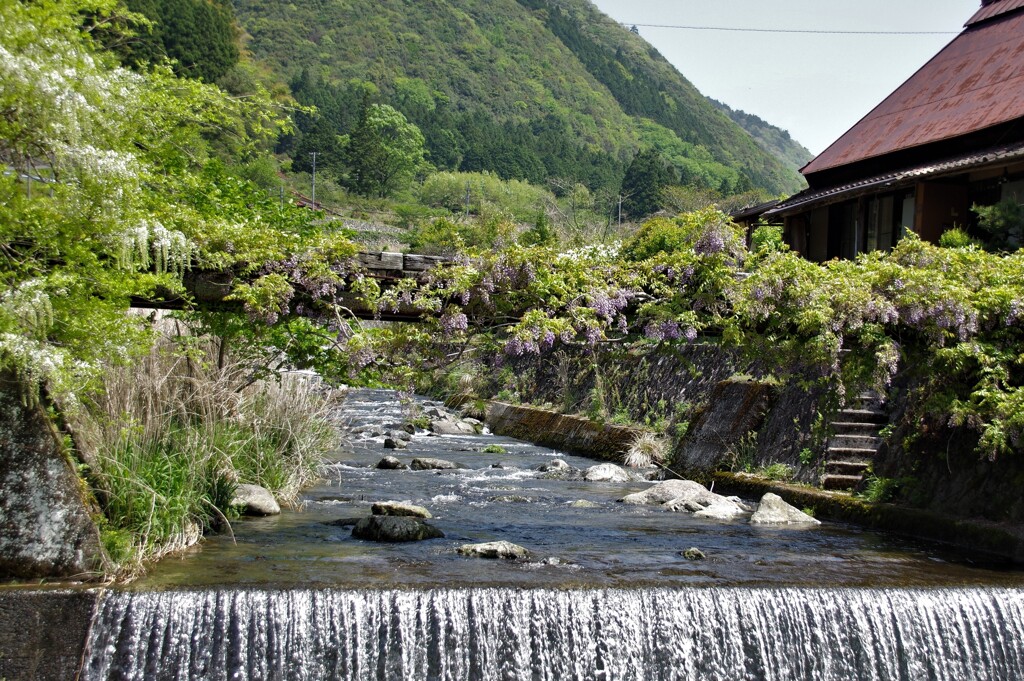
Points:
(786, 30)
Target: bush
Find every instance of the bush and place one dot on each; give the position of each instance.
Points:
(485, 191)
(767, 239)
(956, 238)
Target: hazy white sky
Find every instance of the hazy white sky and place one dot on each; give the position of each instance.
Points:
(815, 86)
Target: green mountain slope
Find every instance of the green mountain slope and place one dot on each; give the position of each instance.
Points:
(526, 88)
(772, 139)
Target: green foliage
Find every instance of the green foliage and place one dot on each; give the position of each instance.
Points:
(742, 454)
(383, 151)
(540, 234)
(956, 238)
(176, 432)
(643, 183)
(683, 235)
(776, 471)
(880, 490)
(767, 239)
(493, 449)
(807, 456)
(483, 193)
(198, 35)
(1004, 223)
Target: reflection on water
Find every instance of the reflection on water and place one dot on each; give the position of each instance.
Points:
(612, 545)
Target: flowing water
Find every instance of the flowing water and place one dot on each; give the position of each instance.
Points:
(606, 594)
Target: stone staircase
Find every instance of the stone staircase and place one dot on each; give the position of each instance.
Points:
(855, 442)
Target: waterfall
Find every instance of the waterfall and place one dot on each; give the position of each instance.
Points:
(556, 635)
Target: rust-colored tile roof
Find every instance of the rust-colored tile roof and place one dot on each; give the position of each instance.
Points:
(993, 10)
(975, 82)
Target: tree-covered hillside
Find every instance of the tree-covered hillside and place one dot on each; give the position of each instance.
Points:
(528, 89)
(772, 139)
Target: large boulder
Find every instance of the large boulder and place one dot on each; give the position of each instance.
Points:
(394, 443)
(494, 549)
(678, 491)
(390, 463)
(606, 472)
(428, 464)
(46, 526)
(774, 511)
(255, 500)
(399, 508)
(389, 528)
(554, 465)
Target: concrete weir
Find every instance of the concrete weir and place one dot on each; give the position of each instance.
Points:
(43, 634)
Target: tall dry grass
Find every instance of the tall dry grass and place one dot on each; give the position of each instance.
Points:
(176, 431)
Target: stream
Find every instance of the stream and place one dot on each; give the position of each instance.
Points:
(606, 594)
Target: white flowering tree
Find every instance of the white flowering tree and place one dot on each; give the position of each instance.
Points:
(101, 194)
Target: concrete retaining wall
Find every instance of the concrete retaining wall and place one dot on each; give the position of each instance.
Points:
(572, 434)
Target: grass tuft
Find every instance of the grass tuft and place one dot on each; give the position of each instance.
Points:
(646, 449)
(180, 428)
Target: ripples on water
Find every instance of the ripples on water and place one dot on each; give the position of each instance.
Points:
(610, 546)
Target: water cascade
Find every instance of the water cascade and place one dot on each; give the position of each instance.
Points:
(551, 634)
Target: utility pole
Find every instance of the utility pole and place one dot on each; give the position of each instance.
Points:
(467, 198)
(620, 211)
(314, 180)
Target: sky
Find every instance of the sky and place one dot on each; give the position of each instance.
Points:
(816, 86)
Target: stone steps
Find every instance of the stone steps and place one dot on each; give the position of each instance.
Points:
(855, 442)
(854, 428)
(872, 442)
(846, 467)
(840, 482)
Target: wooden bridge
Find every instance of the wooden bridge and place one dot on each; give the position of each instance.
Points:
(209, 289)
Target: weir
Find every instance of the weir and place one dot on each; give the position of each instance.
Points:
(605, 596)
(541, 634)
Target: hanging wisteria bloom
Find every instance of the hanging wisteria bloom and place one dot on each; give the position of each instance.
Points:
(452, 323)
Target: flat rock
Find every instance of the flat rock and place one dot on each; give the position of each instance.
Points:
(427, 464)
(399, 508)
(494, 549)
(389, 528)
(774, 511)
(721, 510)
(606, 472)
(673, 490)
(255, 500)
(583, 503)
(451, 427)
(511, 499)
(390, 463)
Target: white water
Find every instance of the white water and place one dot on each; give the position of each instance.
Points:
(542, 634)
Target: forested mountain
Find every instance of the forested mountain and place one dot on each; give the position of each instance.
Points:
(772, 139)
(529, 89)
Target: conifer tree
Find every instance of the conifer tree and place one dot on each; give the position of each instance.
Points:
(643, 183)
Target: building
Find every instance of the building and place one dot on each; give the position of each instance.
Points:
(950, 137)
